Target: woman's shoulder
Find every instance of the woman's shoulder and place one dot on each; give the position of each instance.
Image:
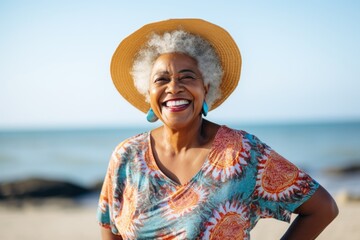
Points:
(249, 140)
(137, 141)
(235, 134)
(128, 149)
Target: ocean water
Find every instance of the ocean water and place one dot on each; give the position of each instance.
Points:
(82, 156)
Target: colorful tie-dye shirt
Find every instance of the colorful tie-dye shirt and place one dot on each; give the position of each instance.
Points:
(241, 181)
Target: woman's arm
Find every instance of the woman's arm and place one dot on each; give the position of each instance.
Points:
(106, 234)
(314, 215)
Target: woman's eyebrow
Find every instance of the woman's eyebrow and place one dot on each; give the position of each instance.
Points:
(161, 72)
(181, 71)
(186, 70)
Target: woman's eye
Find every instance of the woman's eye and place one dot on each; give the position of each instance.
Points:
(161, 80)
(187, 77)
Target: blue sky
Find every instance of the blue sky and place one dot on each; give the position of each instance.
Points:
(300, 60)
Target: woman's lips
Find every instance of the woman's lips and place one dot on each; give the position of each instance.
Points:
(176, 105)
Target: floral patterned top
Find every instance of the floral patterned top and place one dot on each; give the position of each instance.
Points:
(241, 181)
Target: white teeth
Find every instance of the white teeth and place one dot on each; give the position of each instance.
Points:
(176, 103)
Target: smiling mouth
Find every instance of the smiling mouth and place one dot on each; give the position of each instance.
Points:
(176, 103)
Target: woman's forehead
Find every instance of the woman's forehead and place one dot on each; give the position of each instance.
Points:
(175, 63)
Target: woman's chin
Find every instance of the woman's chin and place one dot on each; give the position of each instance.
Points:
(179, 122)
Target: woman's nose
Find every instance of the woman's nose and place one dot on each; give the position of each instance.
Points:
(174, 86)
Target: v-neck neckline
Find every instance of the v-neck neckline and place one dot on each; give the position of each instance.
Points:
(201, 169)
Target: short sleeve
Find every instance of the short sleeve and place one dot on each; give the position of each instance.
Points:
(280, 187)
(107, 203)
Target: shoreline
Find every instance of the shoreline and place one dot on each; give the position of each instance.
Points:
(343, 188)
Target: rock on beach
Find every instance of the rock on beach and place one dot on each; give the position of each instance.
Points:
(40, 188)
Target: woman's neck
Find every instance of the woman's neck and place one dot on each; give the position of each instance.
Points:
(177, 140)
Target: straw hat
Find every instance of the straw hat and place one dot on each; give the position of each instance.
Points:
(220, 39)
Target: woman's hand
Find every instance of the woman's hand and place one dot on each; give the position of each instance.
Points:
(314, 215)
(106, 234)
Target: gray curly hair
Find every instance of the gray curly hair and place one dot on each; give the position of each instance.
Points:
(182, 42)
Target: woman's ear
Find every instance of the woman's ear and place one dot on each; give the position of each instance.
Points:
(206, 88)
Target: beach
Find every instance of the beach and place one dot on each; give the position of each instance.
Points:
(62, 219)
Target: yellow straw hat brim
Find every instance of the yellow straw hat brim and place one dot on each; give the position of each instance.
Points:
(219, 38)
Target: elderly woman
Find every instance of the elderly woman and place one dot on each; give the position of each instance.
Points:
(191, 178)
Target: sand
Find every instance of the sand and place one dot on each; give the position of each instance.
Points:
(58, 219)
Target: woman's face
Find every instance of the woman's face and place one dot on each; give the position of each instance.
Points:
(177, 90)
